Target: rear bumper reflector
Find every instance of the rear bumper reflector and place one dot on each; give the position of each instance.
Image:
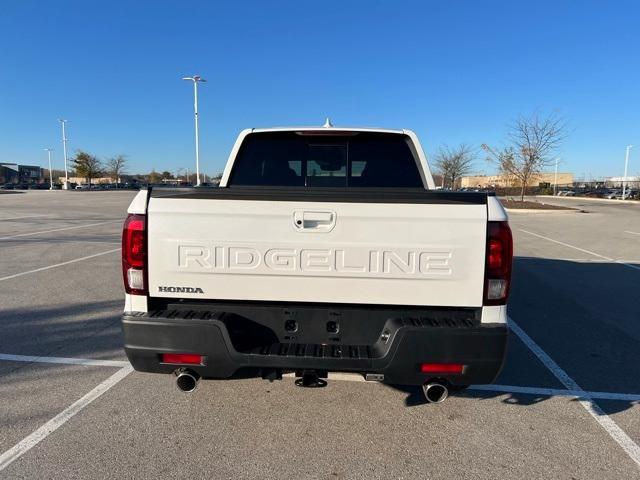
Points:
(442, 368)
(181, 358)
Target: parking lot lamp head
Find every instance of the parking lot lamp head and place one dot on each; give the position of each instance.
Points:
(196, 79)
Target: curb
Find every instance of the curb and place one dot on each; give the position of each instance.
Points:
(541, 211)
(588, 199)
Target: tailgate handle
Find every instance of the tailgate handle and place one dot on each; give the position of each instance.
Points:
(314, 221)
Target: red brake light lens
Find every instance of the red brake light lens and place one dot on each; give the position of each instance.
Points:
(442, 368)
(134, 254)
(499, 263)
(495, 254)
(181, 358)
(133, 244)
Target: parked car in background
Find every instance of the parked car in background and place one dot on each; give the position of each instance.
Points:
(628, 195)
(592, 194)
(612, 194)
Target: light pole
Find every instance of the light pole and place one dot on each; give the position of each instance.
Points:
(48, 150)
(64, 152)
(555, 178)
(626, 165)
(196, 79)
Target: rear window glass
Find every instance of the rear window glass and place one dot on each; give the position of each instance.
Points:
(360, 160)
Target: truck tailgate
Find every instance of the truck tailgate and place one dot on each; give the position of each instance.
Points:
(359, 252)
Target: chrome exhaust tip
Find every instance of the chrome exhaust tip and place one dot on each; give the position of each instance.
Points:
(435, 392)
(186, 380)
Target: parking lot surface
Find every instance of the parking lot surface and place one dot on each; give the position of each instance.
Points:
(565, 406)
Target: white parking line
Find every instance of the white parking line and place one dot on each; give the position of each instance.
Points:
(64, 360)
(350, 377)
(58, 229)
(577, 260)
(635, 267)
(633, 233)
(56, 422)
(547, 392)
(16, 275)
(557, 392)
(628, 445)
(573, 390)
(24, 216)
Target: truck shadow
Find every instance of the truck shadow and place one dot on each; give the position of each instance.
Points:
(415, 397)
(585, 315)
(87, 330)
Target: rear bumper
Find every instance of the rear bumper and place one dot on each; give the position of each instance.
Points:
(397, 354)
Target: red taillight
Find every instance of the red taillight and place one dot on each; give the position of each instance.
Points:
(497, 278)
(134, 254)
(442, 368)
(181, 358)
(495, 253)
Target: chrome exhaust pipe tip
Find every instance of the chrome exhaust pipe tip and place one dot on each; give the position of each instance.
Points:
(186, 380)
(435, 392)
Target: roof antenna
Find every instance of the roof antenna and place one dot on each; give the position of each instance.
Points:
(327, 123)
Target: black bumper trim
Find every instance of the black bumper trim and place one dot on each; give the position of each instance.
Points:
(397, 354)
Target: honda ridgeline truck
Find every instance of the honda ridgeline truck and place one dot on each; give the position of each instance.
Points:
(323, 250)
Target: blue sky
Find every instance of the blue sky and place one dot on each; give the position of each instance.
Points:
(452, 71)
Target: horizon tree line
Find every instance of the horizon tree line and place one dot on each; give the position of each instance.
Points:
(531, 142)
(89, 166)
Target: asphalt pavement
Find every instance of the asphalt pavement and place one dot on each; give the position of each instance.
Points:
(565, 405)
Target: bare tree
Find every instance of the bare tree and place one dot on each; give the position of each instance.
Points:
(116, 166)
(533, 140)
(87, 166)
(154, 178)
(217, 177)
(453, 163)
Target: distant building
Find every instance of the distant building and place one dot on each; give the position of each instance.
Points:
(507, 181)
(82, 180)
(14, 173)
(631, 181)
(172, 181)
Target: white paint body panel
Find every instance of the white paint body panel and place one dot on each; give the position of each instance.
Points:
(495, 210)
(139, 203)
(494, 314)
(392, 254)
(137, 303)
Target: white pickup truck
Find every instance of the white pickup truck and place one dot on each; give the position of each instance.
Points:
(323, 250)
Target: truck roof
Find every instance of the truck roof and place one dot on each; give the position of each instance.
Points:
(328, 129)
